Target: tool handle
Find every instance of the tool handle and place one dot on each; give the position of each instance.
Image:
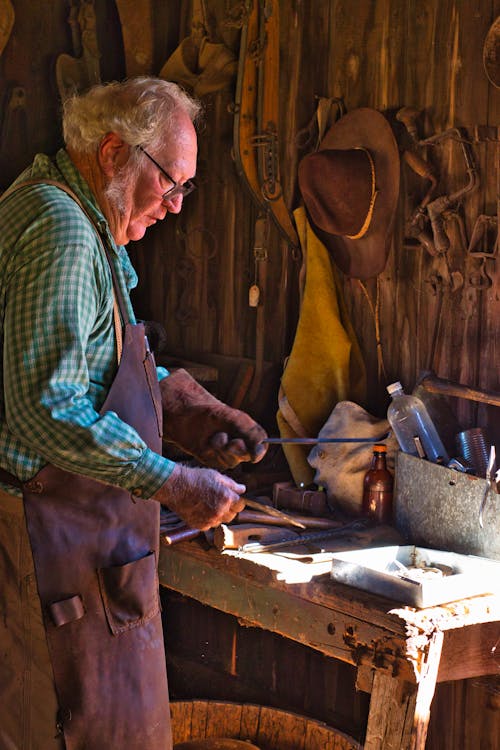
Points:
(433, 384)
(285, 517)
(310, 522)
(182, 534)
(419, 165)
(238, 535)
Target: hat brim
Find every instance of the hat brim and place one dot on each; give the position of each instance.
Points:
(366, 257)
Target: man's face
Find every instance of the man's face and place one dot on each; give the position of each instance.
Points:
(137, 200)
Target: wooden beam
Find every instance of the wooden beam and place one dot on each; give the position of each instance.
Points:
(478, 649)
(336, 634)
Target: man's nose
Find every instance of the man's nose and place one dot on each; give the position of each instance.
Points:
(174, 204)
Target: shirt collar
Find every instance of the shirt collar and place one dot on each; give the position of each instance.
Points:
(80, 187)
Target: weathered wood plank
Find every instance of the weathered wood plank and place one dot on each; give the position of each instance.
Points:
(391, 715)
(181, 715)
(477, 653)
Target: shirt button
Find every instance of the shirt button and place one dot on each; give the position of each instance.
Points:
(137, 492)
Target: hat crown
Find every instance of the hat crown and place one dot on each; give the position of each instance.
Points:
(338, 188)
(350, 188)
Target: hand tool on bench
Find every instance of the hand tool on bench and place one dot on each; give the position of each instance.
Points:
(173, 531)
(312, 537)
(285, 517)
(179, 534)
(236, 536)
(309, 522)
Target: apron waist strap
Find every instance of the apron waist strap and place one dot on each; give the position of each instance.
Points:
(8, 478)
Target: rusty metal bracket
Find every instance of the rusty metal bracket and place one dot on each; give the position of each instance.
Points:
(267, 145)
(437, 207)
(483, 246)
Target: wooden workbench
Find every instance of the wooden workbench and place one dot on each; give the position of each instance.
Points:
(399, 652)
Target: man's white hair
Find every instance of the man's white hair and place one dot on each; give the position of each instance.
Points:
(140, 110)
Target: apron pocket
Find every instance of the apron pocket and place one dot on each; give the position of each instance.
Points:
(130, 593)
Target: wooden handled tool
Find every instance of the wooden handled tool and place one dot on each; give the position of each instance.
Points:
(309, 522)
(181, 533)
(285, 517)
(238, 535)
(312, 537)
(434, 384)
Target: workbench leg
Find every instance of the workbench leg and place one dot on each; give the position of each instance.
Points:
(392, 709)
(399, 711)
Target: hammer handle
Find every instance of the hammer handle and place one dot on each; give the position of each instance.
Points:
(433, 384)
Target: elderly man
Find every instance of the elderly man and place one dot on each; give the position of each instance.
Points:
(81, 414)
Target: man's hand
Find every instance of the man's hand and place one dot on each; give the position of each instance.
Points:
(204, 427)
(203, 498)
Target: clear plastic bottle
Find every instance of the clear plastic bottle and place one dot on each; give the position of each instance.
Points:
(413, 426)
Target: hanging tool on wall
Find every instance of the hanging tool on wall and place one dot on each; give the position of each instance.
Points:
(427, 223)
(484, 241)
(256, 150)
(449, 203)
(136, 19)
(483, 246)
(257, 300)
(201, 63)
(256, 114)
(6, 22)
(14, 131)
(417, 225)
(429, 380)
(78, 73)
(434, 211)
(491, 53)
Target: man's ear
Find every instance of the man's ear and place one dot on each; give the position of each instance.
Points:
(112, 154)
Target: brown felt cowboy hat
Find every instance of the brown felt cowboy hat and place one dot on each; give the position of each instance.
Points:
(350, 188)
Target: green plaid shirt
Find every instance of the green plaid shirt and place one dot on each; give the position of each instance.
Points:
(58, 338)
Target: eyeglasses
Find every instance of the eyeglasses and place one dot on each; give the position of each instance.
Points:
(176, 189)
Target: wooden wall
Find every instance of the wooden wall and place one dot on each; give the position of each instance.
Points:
(435, 312)
(196, 268)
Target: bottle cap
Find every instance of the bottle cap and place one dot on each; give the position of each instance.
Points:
(380, 448)
(393, 387)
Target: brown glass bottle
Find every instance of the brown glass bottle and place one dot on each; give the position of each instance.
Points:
(377, 488)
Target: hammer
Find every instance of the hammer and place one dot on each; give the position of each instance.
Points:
(432, 383)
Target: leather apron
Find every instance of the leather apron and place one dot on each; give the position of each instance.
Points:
(95, 549)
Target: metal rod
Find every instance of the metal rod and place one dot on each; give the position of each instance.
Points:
(313, 441)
